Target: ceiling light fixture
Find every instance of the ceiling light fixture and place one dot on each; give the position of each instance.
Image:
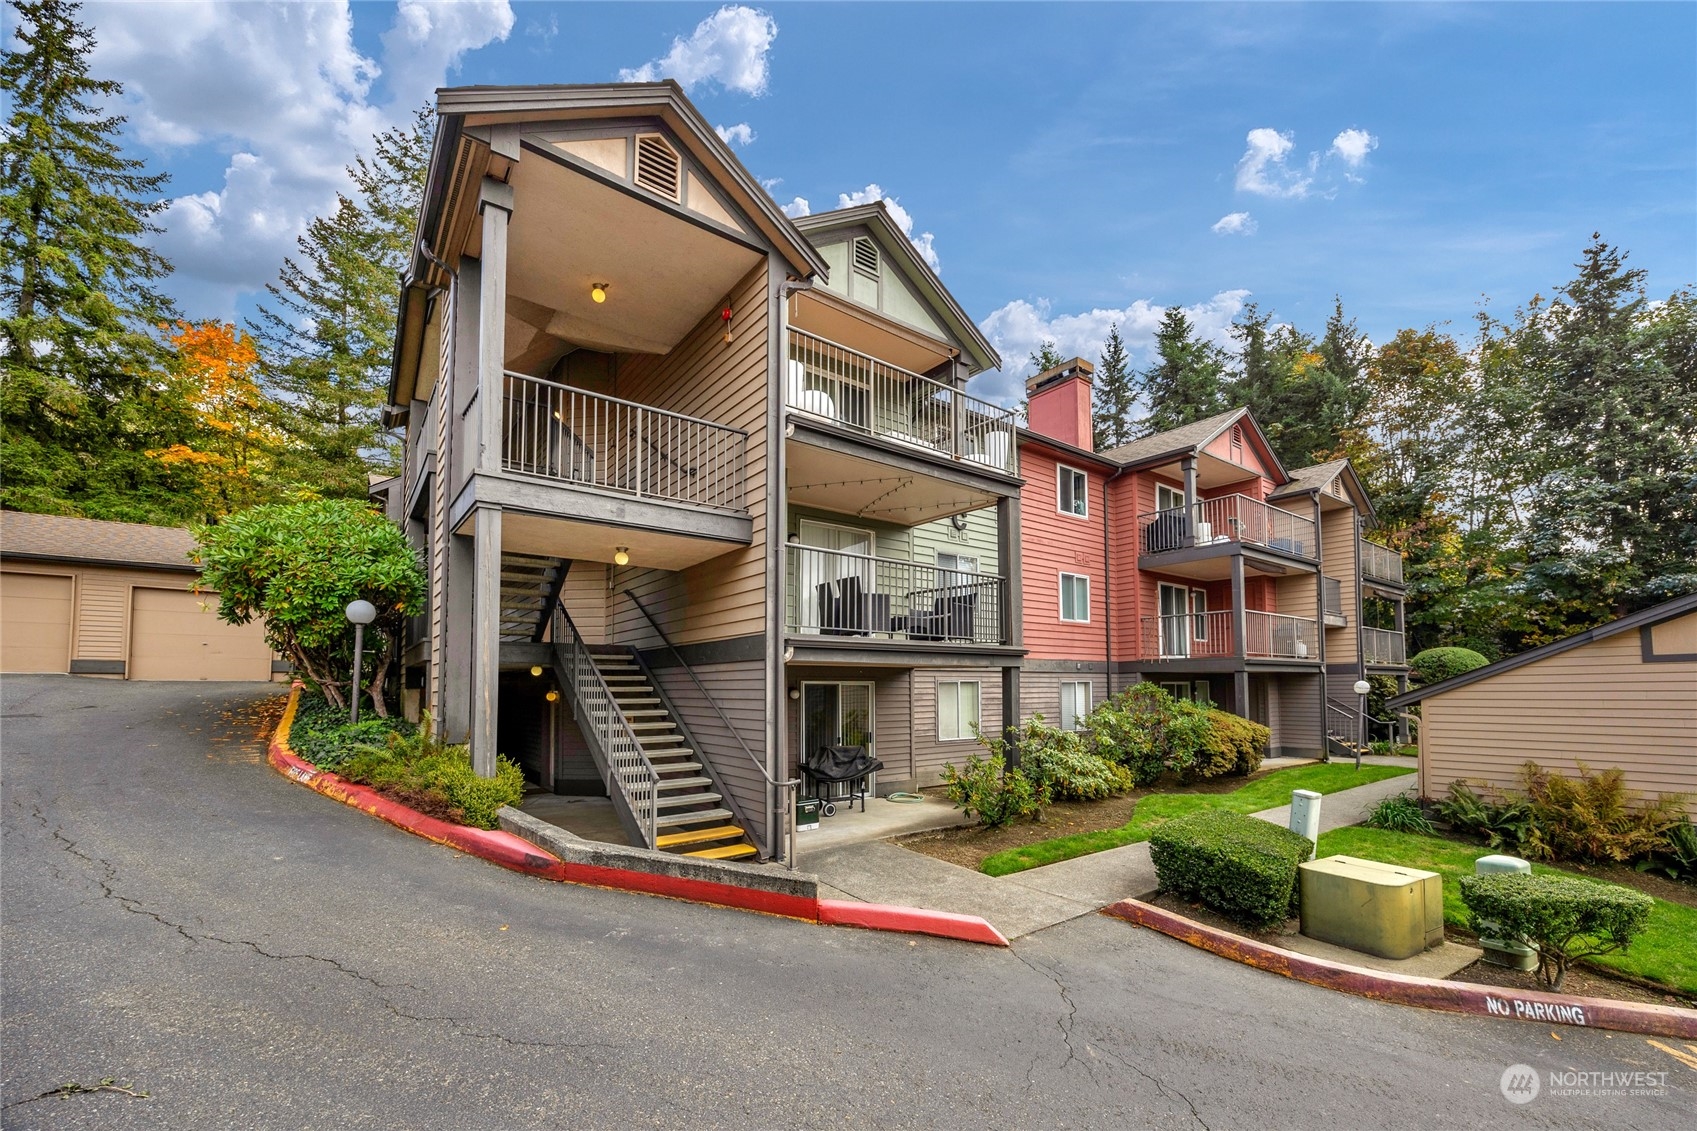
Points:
(598, 292)
(621, 556)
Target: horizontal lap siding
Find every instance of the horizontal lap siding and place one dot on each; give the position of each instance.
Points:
(1040, 692)
(1052, 543)
(585, 596)
(740, 691)
(1124, 501)
(930, 753)
(1337, 545)
(978, 540)
(704, 377)
(1296, 716)
(1599, 704)
(892, 716)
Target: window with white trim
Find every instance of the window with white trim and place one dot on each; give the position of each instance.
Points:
(952, 569)
(1072, 491)
(1075, 703)
(957, 709)
(1075, 598)
(1168, 498)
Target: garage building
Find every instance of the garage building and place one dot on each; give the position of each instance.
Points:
(114, 599)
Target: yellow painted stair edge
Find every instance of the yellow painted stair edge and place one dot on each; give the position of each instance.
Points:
(723, 852)
(697, 836)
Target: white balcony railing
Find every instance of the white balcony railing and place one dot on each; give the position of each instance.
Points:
(558, 432)
(874, 397)
(1380, 563)
(1278, 636)
(1209, 636)
(836, 593)
(1382, 646)
(1226, 519)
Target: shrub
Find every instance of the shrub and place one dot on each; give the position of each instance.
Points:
(1129, 728)
(1435, 665)
(437, 779)
(1678, 855)
(322, 736)
(1399, 814)
(1061, 763)
(1381, 748)
(996, 797)
(1150, 733)
(1563, 918)
(1594, 817)
(1504, 823)
(1243, 867)
(1236, 743)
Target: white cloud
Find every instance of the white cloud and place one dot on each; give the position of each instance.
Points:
(1020, 327)
(283, 89)
(924, 243)
(543, 33)
(729, 47)
(740, 134)
(1263, 169)
(1234, 224)
(797, 208)
(1353, 146)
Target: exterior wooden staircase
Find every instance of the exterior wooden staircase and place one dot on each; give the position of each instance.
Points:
(1343, 732)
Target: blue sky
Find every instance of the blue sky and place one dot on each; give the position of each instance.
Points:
(1074, 165)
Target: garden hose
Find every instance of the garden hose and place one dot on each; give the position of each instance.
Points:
(903, 798)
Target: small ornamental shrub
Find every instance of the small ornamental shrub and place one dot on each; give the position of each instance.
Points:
(1062, 764)
(1240, 866)
(1563, 918)
(1400, 814)
(421, 771)
(1381, 748)
(1242, 740)
(1435, 665)
(1677, 857)
(995, 797)
(1594, 817)
(1503, 823)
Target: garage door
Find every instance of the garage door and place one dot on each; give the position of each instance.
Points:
(35, 623)
(173, 637)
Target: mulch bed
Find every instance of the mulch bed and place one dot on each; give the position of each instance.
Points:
(969, 846)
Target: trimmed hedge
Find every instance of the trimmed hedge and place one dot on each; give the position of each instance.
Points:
(1561, 917)
(1435, 665)
(1241, 866)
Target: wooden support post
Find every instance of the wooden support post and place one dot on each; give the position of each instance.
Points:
(496, 204)
(486, 641)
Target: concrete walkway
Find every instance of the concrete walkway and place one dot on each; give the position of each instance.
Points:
(1029, 901)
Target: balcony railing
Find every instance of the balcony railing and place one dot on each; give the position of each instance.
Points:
(1382, 646)
(575, 436)
(1380, 563)
(1207, 636)
(1229, 518)
(859, 392)
(836, 593)
(1333, 589)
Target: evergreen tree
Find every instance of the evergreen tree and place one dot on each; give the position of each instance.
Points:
(1116, 395)
(1304, 394)
(1044, 358)
(1187, 381)
(79, 305)
(328, 331)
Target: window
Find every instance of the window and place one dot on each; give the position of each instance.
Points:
(957, 709)
(1199, 614)
(1075, 703)
(1177, 690)
(1168, 498)
(953, 568)
(1202, 693)
(1073, 492)
(1075, 598)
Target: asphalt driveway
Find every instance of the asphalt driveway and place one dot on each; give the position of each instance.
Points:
(180, 919)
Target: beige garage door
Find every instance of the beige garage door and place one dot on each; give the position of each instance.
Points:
(35, 623)
(173, 637)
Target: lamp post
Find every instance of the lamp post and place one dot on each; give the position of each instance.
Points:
(1362, 687)
(360, 614)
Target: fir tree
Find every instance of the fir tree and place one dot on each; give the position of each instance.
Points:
(1186, 382)
(79, 304)
(1116, 396)
(328, 331)
(1044, 358)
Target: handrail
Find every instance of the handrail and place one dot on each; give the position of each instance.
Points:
(1354, 722)
(605, 398)
(601, 711)
(788, 853)
(1224, 519)
(893, 597)
(1381, 562)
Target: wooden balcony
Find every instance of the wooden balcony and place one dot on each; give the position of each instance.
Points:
(1225, 521)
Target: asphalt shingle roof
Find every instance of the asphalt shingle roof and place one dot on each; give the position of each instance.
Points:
(1179, 439)
(1310, 478)
(62, 538)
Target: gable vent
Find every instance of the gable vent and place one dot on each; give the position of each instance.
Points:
(657, 166)
(866, 257)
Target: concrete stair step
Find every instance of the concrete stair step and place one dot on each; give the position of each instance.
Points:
(668, 820)
(724, 852)
(698, 836)
(706, 797)
(672, 784)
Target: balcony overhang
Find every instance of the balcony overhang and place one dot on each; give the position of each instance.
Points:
(1212, 562)
(1385, 590)
(839, 470)
(841, 320)
(560, 520)
(873, 653)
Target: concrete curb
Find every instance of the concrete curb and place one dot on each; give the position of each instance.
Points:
(1429, 993)
(596, 865)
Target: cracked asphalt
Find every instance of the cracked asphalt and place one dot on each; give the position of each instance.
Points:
(181, 920)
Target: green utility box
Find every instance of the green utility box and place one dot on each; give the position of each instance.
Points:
(1381, 909)
(807, 813)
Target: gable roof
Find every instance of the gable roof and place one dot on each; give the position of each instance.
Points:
(1191, 437)
(1644, 618)
(894, 241)
(61, 538)
(1318, 476)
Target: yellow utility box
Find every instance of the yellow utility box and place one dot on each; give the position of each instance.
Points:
(1381, 909)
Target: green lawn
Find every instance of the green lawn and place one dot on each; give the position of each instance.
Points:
(1264, 793)
(1666, 952)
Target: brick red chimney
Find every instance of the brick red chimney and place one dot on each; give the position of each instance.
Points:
(1058, 403)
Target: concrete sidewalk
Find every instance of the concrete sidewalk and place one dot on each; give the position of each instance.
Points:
(1029, 901)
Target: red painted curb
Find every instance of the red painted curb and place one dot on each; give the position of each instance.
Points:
(1429, 993)
(909, 920)
(519, 855)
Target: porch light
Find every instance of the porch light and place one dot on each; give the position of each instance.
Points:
(598, 292)
(621, 556)
(536, 669)
(552, 696)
